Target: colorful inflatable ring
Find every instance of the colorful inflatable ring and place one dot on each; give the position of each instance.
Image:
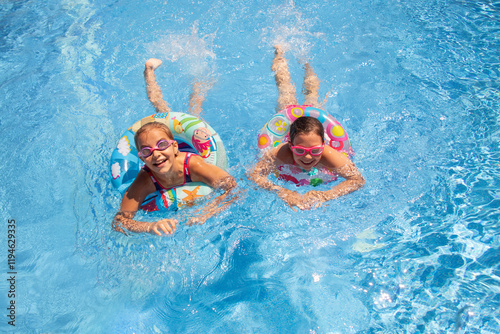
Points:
(276, 131)
(192, 135)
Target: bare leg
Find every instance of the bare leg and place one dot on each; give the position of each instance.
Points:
(311, 86)
(152, 88)
(197, 97)
(286, 89)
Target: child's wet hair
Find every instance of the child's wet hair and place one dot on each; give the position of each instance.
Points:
(150, 126)
(305, 125)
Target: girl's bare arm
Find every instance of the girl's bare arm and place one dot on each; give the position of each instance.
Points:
(216, 178)
(133, 198)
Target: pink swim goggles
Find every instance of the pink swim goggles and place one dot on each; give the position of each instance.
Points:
(161, 145)
(301, 150)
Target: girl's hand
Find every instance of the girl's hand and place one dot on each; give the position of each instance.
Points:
(314, 199)
(292, 198)
(166, 226)
(311, 200)
(200, 220)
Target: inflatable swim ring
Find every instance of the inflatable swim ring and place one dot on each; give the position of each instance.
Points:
(276, 131)
(192, 135)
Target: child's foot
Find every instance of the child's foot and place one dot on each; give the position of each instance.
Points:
(278, 50)
(153, 63)
(279, 60)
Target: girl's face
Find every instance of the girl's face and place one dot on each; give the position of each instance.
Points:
(307, 140)
(158, 161)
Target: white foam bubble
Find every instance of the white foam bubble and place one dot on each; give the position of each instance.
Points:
(193, 48)
(292, 30)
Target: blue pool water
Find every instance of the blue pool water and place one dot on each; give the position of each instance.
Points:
(415, 83)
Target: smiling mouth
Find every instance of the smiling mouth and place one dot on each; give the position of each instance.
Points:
(158, 163)
(307, 165)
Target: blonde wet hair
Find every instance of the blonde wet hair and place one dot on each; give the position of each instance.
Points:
(150, 126)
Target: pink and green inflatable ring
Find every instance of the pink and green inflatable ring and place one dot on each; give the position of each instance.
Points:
(276, 130)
